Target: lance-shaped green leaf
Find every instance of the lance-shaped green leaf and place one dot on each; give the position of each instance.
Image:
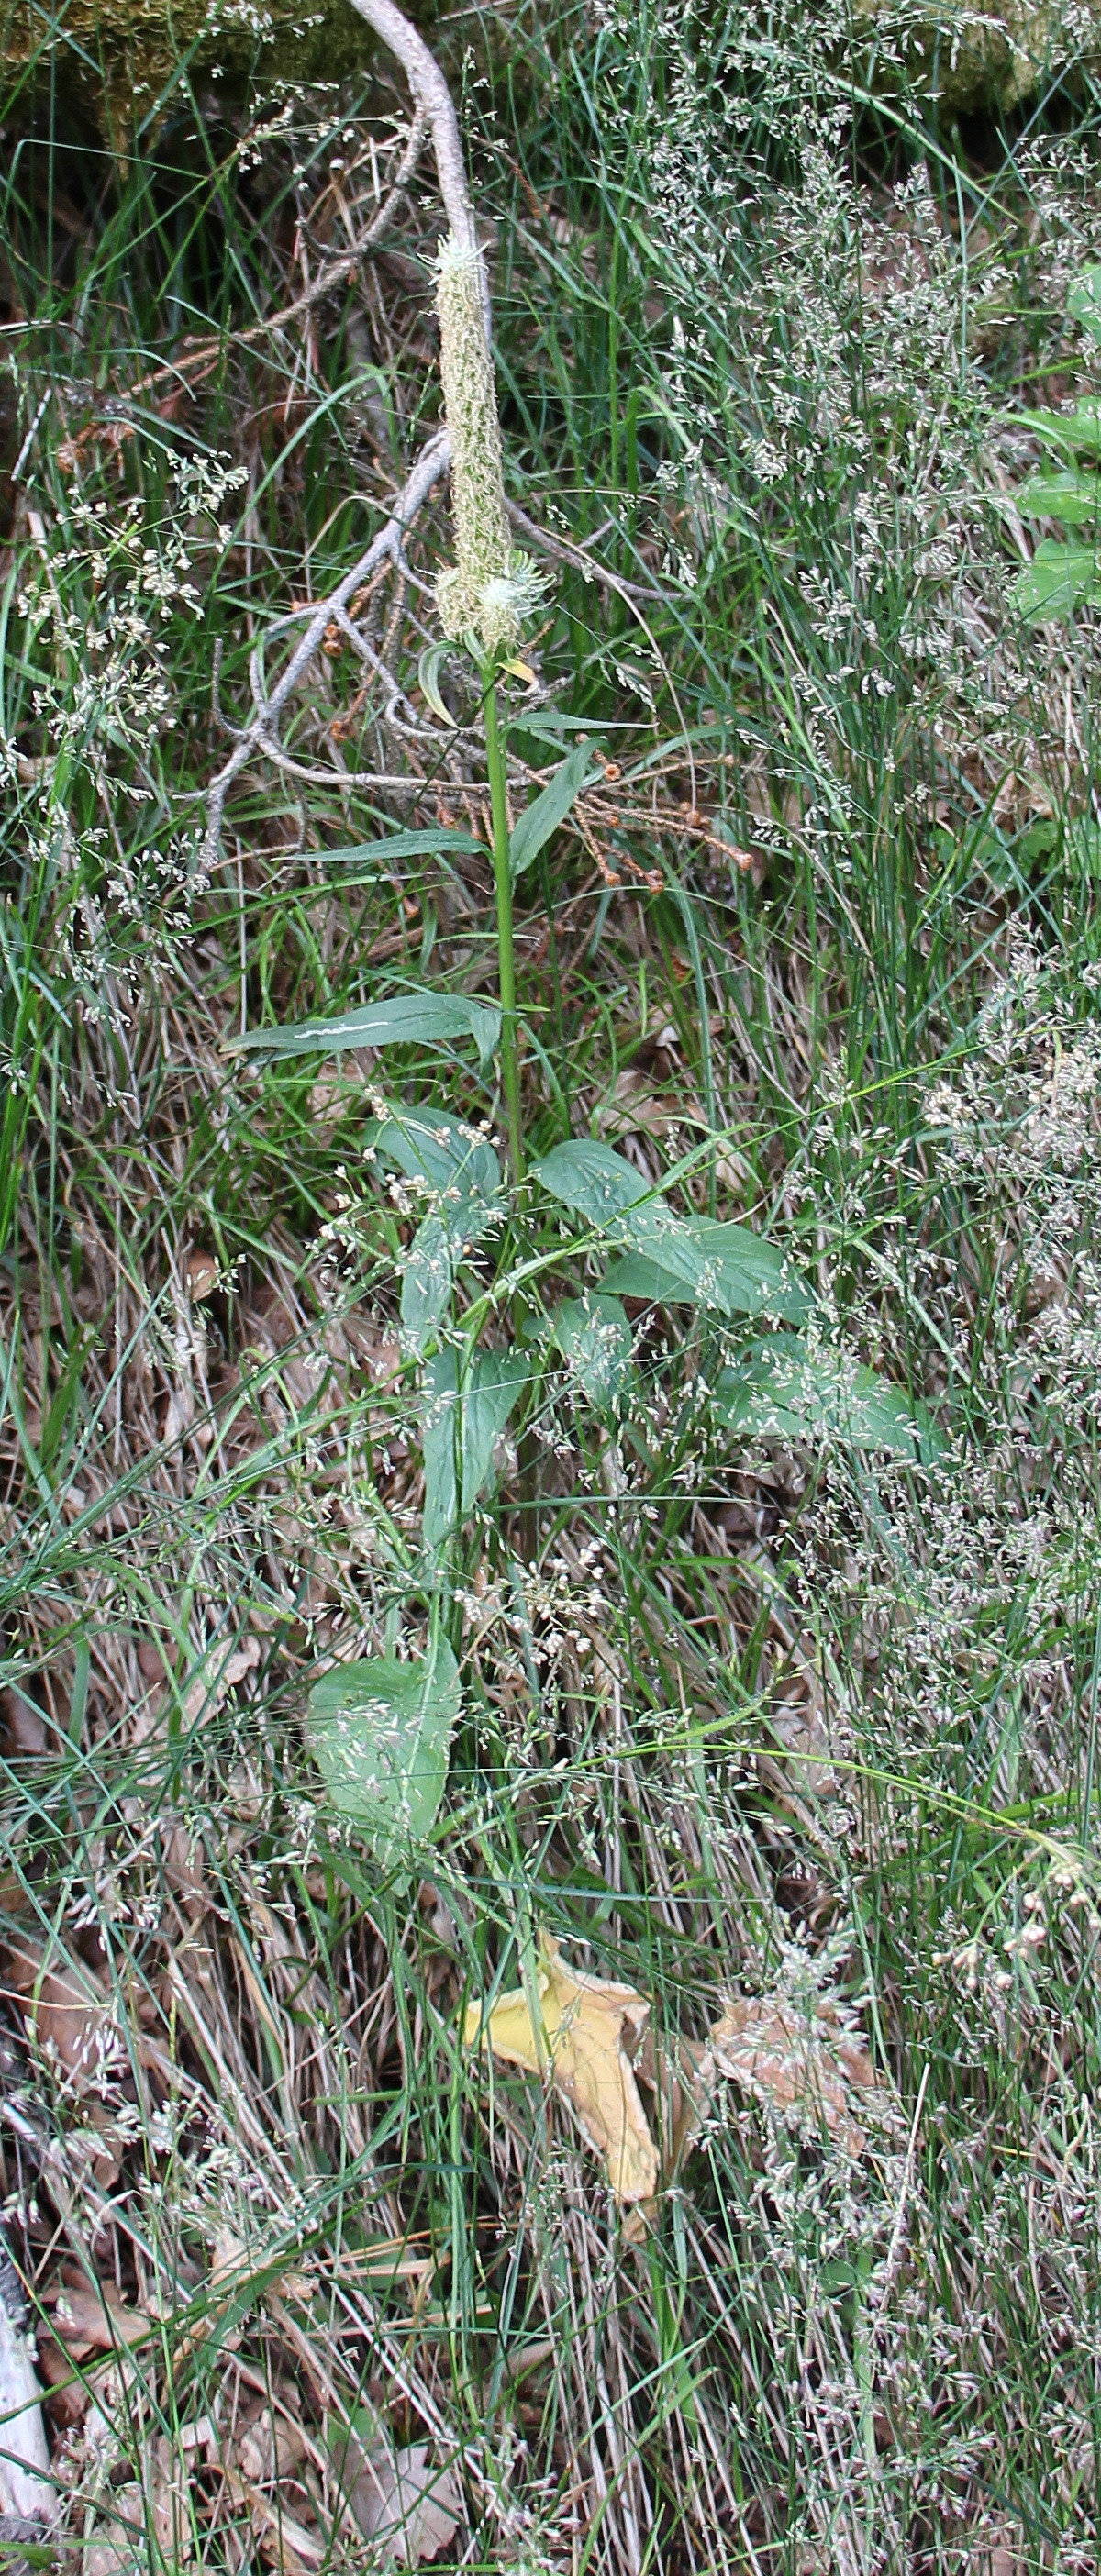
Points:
(739, 1273)
(549, 809)
(589, 1178)
(435, 841)
(379, 1732)
(428, 674)
(594, 1337)
(609, 1194)
(407, 1019)
(671, 1260)
(548, 724)
(428, 1270)
(463, 1177)
(431, 1145)
(1060, 578)
(782, 1388)
(464, 1414)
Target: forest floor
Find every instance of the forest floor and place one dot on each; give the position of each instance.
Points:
(760, 1622)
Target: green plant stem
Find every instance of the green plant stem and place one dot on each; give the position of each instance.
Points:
(502, 871)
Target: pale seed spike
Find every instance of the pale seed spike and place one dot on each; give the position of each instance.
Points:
(482, 543)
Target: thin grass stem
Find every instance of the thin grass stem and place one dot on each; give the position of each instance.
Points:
(502, 874)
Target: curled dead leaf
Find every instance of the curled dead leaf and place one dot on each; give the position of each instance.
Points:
(270, 2448)
(117, 2546)
(590, 2032)
(219, 1673)
(26, 1729)
(638, 1107)
(65, 2008)
(797, 2064)
(401, 2499)
(200, 1272)
(87, 2320)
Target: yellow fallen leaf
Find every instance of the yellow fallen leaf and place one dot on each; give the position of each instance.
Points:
(586, 2022)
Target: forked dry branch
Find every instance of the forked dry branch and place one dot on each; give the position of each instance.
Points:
(434, 112)
(261, 733)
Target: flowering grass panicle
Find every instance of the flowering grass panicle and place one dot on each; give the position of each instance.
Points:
(490, 589)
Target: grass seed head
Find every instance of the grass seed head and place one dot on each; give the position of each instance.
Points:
(490, 589)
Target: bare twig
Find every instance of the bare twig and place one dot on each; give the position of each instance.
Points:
(261, 734)
(435, 109)
(328, 278)
(565, 551)
(433, 97)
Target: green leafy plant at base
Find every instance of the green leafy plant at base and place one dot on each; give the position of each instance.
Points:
(655, 1253)
(1065, 572)
(379, 1732)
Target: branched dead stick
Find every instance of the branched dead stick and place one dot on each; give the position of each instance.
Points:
(433, 101)
(433, 97)
(328, 278)
(260, 734)
(564, 550)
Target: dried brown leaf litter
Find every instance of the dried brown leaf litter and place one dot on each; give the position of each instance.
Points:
(806, 2067)
(591, 2038)
(401, 2499)
(65, 2009)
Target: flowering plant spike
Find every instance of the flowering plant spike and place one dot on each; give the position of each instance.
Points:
(489, 589)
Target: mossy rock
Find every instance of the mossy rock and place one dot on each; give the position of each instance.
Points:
(971, 60)
(119, 56)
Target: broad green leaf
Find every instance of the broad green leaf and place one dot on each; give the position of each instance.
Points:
(408, 1019)
(1060, 578)
(1084, 301)
(671, 1260)
(462, 1419)
(783, 1388)
(739, 1273)
(1073, 433)
(602, 1187)
(428, 1271)
(431, 1145)
(1075, 499)
(592, 1180)
(1040, 839)
(463, 1175)
(429, 1267)
(594, 1337)
(547, 810)
(379, 1733)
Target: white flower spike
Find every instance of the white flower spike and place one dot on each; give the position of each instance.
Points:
(490, 589)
